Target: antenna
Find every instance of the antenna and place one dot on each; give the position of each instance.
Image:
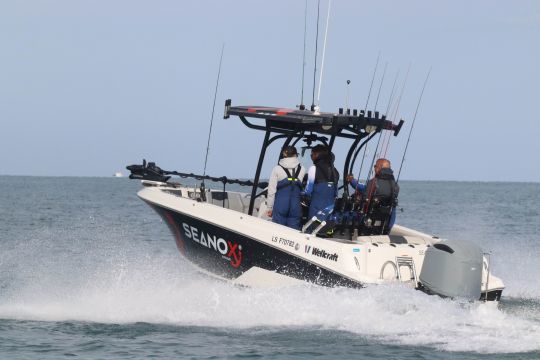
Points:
(316, 48)
(213, 109)
(412, 126)
(324, 52)
(347, 97)
(302, 106)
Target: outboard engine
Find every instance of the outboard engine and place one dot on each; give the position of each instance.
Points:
(453, 269)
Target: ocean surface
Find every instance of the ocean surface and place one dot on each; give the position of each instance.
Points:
(88, 271)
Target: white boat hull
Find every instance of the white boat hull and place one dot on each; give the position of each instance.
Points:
(252, 251)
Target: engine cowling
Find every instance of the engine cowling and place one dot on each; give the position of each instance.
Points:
(452, 268)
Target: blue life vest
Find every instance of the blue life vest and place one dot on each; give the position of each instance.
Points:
(325, 187)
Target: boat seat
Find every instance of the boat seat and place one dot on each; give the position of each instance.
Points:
(217, 197)
(262, 211)
(258, 205)
(235, 202)
(245, 202)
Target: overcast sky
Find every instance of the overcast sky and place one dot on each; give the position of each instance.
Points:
(87, 87)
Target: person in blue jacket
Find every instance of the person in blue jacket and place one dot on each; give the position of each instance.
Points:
(322, 181)
(284, 189)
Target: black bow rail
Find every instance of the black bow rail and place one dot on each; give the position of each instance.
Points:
(150, 171)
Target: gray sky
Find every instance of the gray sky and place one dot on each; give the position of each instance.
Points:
(87, 87)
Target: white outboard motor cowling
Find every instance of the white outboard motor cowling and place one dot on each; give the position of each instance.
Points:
(453, 269)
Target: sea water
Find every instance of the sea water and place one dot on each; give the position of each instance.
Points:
(88, 270)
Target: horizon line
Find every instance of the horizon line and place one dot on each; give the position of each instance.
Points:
(241, 178)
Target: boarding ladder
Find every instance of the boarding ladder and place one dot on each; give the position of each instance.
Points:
(406, 261)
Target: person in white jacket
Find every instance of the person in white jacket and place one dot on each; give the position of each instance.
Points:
(284, 189)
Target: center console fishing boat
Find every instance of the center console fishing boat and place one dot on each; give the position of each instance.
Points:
(227, 234)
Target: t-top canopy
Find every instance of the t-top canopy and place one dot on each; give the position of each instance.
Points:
(282, 120)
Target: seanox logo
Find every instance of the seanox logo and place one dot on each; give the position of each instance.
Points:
(323, 254)
(229, 250)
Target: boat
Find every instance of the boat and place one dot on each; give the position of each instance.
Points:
(227, 235)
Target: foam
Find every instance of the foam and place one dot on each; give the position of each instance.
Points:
(113, 274)
(162, 288)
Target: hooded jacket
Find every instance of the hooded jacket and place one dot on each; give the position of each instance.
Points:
(278, 174)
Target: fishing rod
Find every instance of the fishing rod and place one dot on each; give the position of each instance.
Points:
(387, 136)
(377, 101)
(212, 119)
(391, 98)
(412, 125)
(372, 80)
(365, 108)
(324, 52)
(316, 49)
(375, 109)
(387, 109)
(371, 190)
(302, 106)
(380, 86)
(395, 111)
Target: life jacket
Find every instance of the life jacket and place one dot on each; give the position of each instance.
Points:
(290, 180)
(381, 199)
(324, 187)
(326, 172)
(287, 209)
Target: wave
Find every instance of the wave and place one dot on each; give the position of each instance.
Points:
(143, 283)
